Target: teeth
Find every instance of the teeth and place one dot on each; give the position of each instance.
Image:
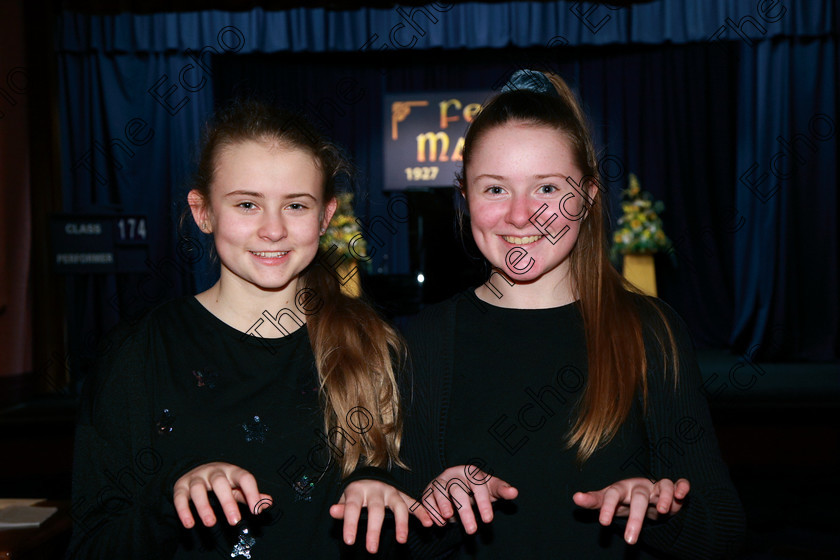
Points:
(273, 255)
(521, 240)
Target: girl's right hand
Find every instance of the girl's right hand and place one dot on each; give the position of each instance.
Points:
(232, 486)
(465, 486)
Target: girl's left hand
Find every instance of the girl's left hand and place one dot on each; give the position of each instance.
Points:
(375, 496)
(635, 498)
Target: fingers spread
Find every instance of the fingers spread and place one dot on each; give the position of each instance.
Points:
(636, 498)
(457, 489)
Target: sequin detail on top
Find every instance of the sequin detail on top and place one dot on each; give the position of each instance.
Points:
(303, 489)
(205, 378)
(304, 486)
(255, 430)
(243, 547)
(165, 423)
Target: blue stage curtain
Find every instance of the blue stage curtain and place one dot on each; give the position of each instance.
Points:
(786, 278)
(122, 151)
(668, 115)
(702, 93)
(473, 25)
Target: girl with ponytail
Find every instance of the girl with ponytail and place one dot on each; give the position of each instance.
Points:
(556, 374)
(272, 390)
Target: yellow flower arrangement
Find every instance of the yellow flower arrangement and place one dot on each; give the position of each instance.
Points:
(640, 227)
(343, 228)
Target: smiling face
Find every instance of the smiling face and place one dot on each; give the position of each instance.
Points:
(515, 169)
(266, 211)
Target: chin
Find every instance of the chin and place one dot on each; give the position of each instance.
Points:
(534, 274)
(524, 278)
(270, 284)
(277, 283)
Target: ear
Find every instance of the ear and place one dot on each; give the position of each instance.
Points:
(592, 192)
(329, 211)
(461, 187)
(200, 211)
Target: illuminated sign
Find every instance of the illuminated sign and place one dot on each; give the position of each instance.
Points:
(424, 136)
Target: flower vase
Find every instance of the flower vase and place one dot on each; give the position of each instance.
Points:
(351, 279)
(640, 271)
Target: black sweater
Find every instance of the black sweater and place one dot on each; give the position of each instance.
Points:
(497, 387)
(181, 388)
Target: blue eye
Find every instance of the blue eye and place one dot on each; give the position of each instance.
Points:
(547, 189)
(495, 190)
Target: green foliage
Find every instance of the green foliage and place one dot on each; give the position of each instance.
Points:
(640, 227)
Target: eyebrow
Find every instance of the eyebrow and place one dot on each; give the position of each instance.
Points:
(254, 194)
(245, 193)
(501, 178)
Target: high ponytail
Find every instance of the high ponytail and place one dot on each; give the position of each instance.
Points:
(610, 306)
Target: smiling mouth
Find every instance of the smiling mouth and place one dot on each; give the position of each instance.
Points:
(522, 240)
(270, 255)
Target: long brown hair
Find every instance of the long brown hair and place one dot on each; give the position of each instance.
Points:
(616, 358)
(355, 349)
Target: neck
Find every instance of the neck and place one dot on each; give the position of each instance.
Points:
(543, 293)
(265, 313)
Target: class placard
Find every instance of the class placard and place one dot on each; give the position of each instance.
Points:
(424, 136)
(99, 244)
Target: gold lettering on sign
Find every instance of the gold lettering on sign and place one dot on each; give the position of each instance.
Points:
(445, 119)
(458, 152)
(400, 110)
(432, 139)
(470, 111)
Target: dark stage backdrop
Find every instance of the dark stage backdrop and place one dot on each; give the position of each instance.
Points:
(726, 113)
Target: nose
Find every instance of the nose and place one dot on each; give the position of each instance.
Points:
(272, 226)
(519, 212)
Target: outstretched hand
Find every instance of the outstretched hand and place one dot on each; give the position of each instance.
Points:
(375, 496)
(636, 499)
(465, 485)
(232, 486)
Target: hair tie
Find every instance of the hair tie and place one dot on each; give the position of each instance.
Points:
(530, 80)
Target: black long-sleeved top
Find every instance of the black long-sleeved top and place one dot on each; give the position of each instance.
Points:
(181, 388)
(497, 387)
